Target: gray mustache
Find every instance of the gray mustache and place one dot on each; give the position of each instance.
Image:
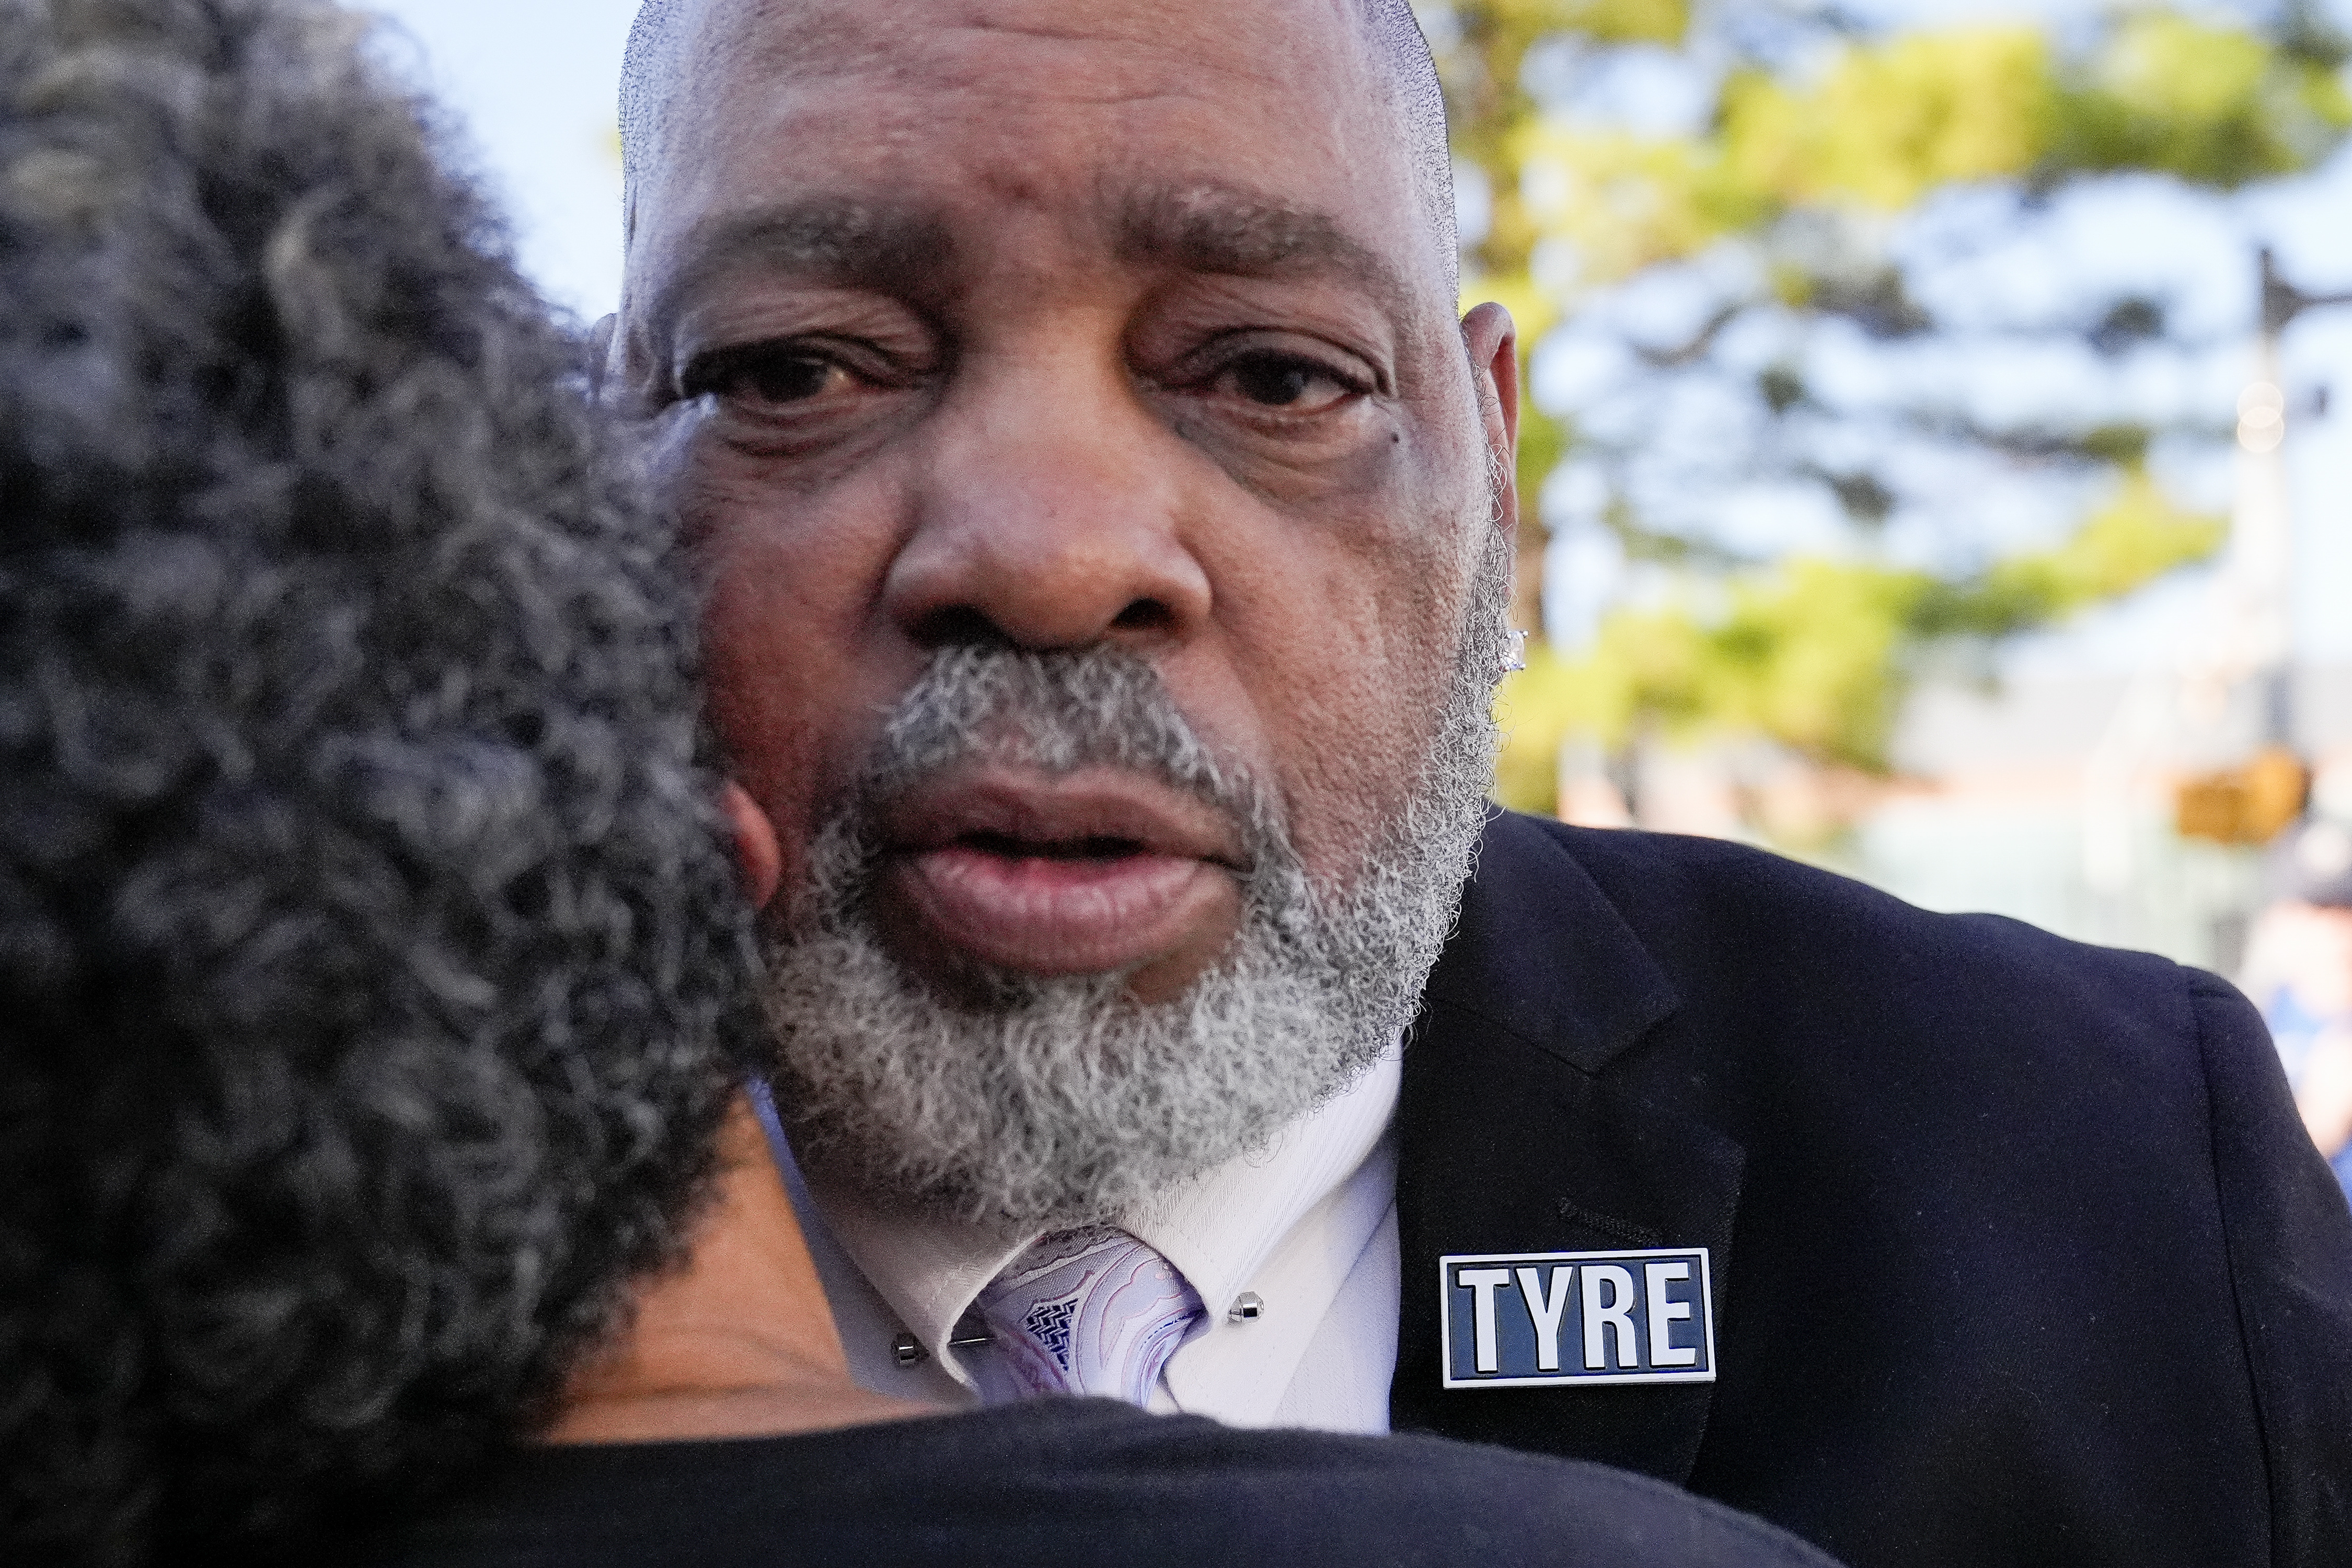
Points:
(1058, 712)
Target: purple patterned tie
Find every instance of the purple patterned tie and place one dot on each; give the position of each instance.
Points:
(1082, 1311)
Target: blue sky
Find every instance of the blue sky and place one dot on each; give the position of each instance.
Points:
(532, 85)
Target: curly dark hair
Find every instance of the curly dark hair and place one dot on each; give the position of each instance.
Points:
(373, 972)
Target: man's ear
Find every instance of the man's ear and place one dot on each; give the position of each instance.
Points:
(1494, 346)
(756, 851)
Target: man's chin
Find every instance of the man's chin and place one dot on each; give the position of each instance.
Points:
(1053, 1100)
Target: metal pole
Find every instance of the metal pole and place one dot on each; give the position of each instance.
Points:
(2262, 534)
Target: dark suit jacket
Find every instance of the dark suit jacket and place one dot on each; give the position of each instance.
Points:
(2020, 1253)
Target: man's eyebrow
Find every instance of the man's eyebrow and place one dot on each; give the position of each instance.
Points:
(852, 243)
(1220, 229)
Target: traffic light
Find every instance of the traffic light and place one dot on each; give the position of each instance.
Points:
(2249, 804)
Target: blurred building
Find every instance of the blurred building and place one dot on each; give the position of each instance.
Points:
(2052, 799)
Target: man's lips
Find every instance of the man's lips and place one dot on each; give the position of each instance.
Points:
(1088, 873)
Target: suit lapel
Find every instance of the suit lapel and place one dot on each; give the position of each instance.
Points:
(1512, 1138)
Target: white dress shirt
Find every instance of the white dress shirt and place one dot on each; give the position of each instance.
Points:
(1306, 1223)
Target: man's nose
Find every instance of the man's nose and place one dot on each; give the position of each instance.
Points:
(1051, 515)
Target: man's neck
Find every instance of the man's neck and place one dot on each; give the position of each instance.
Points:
(737, 1342)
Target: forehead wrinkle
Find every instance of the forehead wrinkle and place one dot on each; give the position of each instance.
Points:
(1157, 65)
(712, 42)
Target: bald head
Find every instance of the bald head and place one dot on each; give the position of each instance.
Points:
(664, 37)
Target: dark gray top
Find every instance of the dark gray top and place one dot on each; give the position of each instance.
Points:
(1079, 1482)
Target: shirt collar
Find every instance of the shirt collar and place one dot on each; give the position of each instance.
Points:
(1217, 1230)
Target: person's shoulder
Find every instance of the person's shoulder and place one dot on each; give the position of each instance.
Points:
(1238, 1495)
(1074, 1484)
(1409, 1499)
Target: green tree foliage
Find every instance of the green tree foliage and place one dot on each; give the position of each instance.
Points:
(1813, 653)
(1805, 160)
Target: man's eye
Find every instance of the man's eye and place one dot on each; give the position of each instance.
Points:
(1276, 380)
(772, 377)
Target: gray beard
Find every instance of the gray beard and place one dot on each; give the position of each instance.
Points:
(1065, 1100)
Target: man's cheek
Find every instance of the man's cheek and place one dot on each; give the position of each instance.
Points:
(1351, 716)
(1344, 797)
(784, 686)
(1358, 462)
(794, 596)
(1359, 715)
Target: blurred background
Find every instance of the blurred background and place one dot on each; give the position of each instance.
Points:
(1934, 468)
(1932, 440)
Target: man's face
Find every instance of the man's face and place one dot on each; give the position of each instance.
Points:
(1058, 326)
